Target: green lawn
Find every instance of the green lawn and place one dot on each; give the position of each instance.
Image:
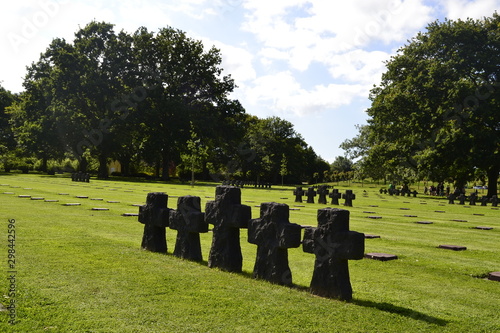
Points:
(79, 270)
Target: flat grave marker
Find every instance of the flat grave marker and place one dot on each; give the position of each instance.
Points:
(424, 222)
(370, 236)
(453, 247)
(381, 256)
(494, 276)
(483, 228)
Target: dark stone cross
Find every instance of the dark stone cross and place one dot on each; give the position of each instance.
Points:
(451, 198)
(335, 195)
(461, 199)
(322, 192)
(189, 222)
(484, 200)
(349, 197)
(311, 193)
(298, 192)
(273, 234)
(472, 199)
(333, 244)
(227, 215)
(494, 201)
(154, 215)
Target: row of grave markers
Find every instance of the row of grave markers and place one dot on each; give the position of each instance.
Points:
(332, 242)
(322, 191)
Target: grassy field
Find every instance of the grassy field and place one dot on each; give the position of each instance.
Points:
(81, 270)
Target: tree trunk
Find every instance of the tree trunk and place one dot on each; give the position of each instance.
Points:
(165, 166)
(125, 166)
(82, 166)
(103, 167)
(492, 181)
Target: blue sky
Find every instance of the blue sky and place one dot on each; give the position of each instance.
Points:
(311, 62)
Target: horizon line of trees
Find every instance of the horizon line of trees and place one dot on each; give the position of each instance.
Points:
(150, 100)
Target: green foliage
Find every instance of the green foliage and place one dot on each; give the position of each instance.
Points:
(436, 109)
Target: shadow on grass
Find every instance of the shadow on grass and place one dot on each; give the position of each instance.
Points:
(387, 307)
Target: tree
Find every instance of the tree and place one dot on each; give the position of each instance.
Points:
(436, 109)
(7, 140)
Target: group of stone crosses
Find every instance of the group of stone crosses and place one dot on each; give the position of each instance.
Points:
(80, 177)
(322, 191)
(472, 199)
(331, 241)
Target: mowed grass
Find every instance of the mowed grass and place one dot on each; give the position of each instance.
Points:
(80, 270)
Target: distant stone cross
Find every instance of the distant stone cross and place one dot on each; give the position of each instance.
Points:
(484, 200)
(189, 222)
(335, 195)
(349, 197)
(227, 215)
(494, 201)
(322, 192)
(333, 244)
(451, 198)
(298, 192)
(273, 234)
(472, 199)
(154, 215)
(311, 193)
(461, 199)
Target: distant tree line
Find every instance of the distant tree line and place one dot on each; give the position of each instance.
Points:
(155, 101)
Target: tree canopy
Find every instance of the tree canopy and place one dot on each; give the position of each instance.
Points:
(158, 99)
(436, 108)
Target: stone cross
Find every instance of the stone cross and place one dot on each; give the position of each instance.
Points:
(335, 195)
(298, 192)
(189, 222)
(154, 215)
(322, 192)
(273, 234)
(451, 198)
(472, 199)
(462, 199)
(484, 200)
(311, 193)
(494, 201)
(227, 215)
(333, 244)
(349, 197)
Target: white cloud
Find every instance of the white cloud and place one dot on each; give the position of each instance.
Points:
(462, 9)
(286, 95)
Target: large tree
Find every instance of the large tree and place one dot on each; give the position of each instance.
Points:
(436, 109)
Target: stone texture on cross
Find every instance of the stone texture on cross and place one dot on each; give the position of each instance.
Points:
(311, 193)
(335, 195)
(484, 200)
(451, 198)
(227, 215)
(333, 244)
(348, 196)
(322, 192)
(298, 192)
(274, 235)
(189, 222)
(155, 217)
(472, 199)
(494, 201)
(461, 199)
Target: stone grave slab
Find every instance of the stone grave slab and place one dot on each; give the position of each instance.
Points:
(113, 201)
(51, 200)
(458, 220)
(424, 222)
(381, 256)
(24, 196)
(37, 198)
(274, 235)
(72, 204)
(453, 247)
(410, 215)
(130, 214)
(483, 228)
(100, 209)
(97, 199)
(8, 193)
(494, 276)
(439, 211)
(374, 217)
(370, 236)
